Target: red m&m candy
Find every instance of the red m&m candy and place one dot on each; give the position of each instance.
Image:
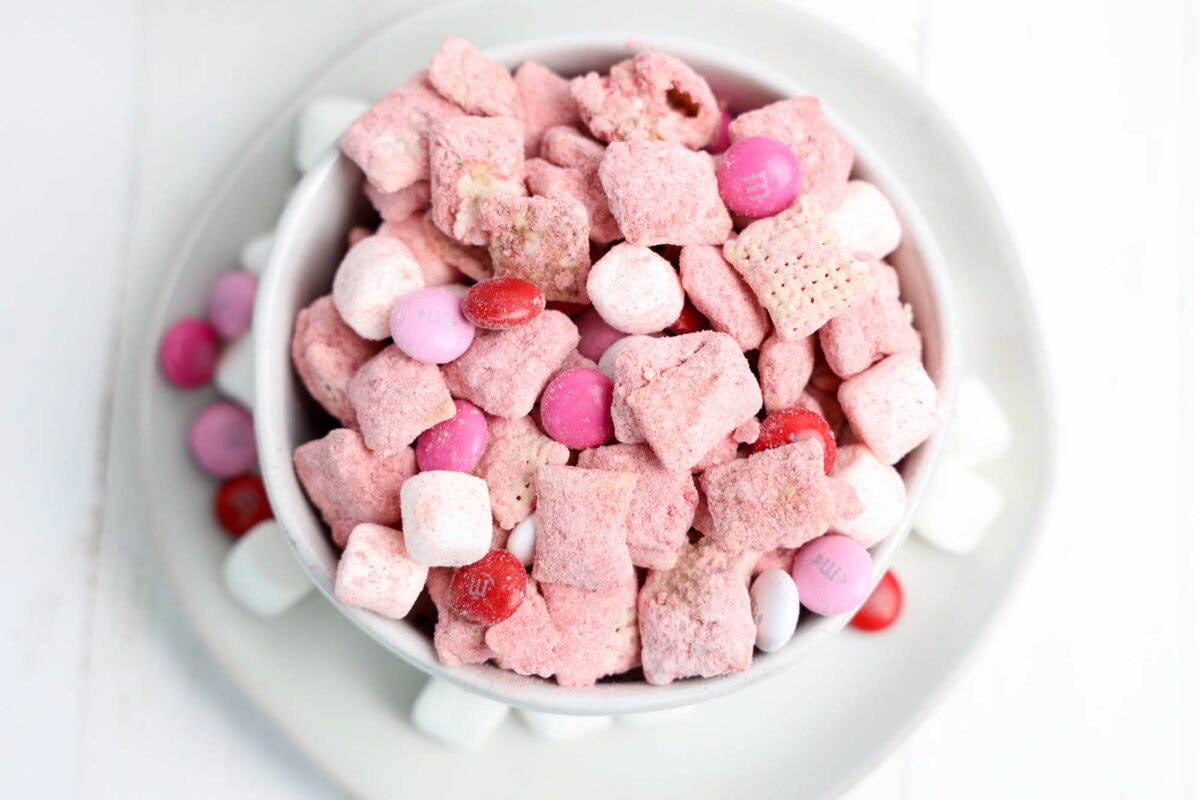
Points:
(502, 303)
(790, 425)
(690, 321)
(883, 606)
(490, 590)
(241, 503)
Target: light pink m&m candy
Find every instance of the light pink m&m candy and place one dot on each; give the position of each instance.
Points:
(231, 303)
(758, 177)
(455, 445)
(188, 353)
(832, 574)
(222, 439)
(429, 326)
(575, 408)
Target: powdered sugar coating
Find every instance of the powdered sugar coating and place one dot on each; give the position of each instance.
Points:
(443, 260)
(575, 183)
(400, 204)
(865, 221)
(471, 80)
(326, 353)
(515, 451)
(543, 102)
(598, 631)
(892, 407)
(567, 146)
(539, 239)
(720, 294)
(784, 367)
(472, 158)
(880, 489)
(581, 527)
(376, 573)
(527, 642)
(395, 398)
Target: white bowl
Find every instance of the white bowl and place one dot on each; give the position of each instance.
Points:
(310, 241)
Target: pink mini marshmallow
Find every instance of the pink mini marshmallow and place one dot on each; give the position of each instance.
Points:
(472, 158)
(372, 277)
(866, 221)
(879, 327)
(581, 527)
(390, 141)
(527, 642)
(544, 101)
(635, 289)
(719, 293)
(400, 204)
(784, 367)
(580, 184)
(443, 260)
(539, 239)
(504, 372)
(326, 353)
(566, 146)
(650, 96)
(455, 640)
(349, 484)
(515, 451)
(447, 518)
(892, 407)
(598, 632)
(471, 80)
(879, 488)
(663, 193)
(376, 573)
(395, 398)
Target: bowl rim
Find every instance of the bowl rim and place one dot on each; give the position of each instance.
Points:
(532, 692)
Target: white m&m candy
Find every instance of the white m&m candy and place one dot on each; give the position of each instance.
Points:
(776, 607)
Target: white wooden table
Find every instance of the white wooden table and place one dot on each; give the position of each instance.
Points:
(1086, 119)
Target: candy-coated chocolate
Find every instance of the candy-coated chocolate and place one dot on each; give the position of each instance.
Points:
(776, 607)
(221, 439)
(721, 143)
(502, 303)
(832, 574)
(429, 326)
(793, 424)
(231, 303)
(455, 444)
(490, 590)
(595, 335)
(521, 540)
(241, 503)
(188, 353)
(690, 321)
(758, 177)
(882, 607)
(575, 408)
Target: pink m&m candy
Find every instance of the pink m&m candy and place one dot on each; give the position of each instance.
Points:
(455, 445)
(188, 353)
(575, 408)
(595, 335)
(721, 143)
(758, 177)
(429, 326)
(832, 574)
(222, 439)
(231, 303)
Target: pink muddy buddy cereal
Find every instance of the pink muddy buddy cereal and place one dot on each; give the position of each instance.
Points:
(865, 221)
(662, 507)
(595, 335)
(231, 303)
(877, 327)
(326, 353)
(472, 158)
(541, 240)
(779, 558)
(515, 451)
(447, 518)
(566, 146)
(574, 408)
(799, 271)
(471, 80)
(598, 632)
(395, 398)
(543, 102)
(663, 193)
(371, 279)
(455, 445)
(188, 353)
(784, 367)
(720, 294)
(695, 619)
(635, 290)
(428, 326)
(892, 407)
(503, 372)
(758, 176)
(443, 260)
(221, 439)
(880, 489)
(581, 527)
(526, 642)
(651, 96)
(376, 573)
(400, 204)
(349, 484)
(580, 184)
(776, 498)
(574, 360)
(390, 141)
(456, 640)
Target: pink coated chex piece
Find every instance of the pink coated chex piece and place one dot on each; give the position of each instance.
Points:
(663, 504)
(349, 484)
(892, 407)
(471, 80)
(726, 450)
(504, 372)
(684, 410)
(472, 158)
(777, 498)
(581, 517)
(799, 271)
(539, 239)
(543, 101)
(650, 96)
(575, 183)
(376, 573)
(784, 367)
(526, 642)
(878, 487)
(566, 146)
(719, 293)
(326, 353)
(390, 141)
(515, 451)
(400, 204)
(395, 398)
(455, 640)
(598, 630)
(442, 260)
(663, 193)
(878, 327)
(695, 619)
(824, 154)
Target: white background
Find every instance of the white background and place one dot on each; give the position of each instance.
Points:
(1086, 119)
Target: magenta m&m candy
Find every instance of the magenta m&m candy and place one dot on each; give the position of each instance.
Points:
(721, 143)
(456, 444)
(832, 574)
(595, 335)
(231, 303)
(758, 177)
(188, 353)
(428, 326)
(575, 408)
(221, 439)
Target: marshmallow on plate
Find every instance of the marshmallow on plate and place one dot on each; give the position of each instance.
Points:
(262, 573)
(255, 254)
(635, 289)
(456, 717)
(373, 275)
(958, 509)
(562, 727)
(376, 573)
(447, 519)
(979, 431)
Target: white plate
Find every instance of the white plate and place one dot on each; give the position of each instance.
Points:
(807, 732)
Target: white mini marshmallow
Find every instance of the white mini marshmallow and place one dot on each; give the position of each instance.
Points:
(521, 539)
(958, 509)
(376, 573)
(866, 221)
(234, 377)
(321, 124)
(979, 431)
(880, 489)
(373, 276)
(635, 290)
(447, 518)
(562, 727)
(455, 716)
(256, 253)
(262, 572)
(666, 716)
(609, 357)
(775, 603)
